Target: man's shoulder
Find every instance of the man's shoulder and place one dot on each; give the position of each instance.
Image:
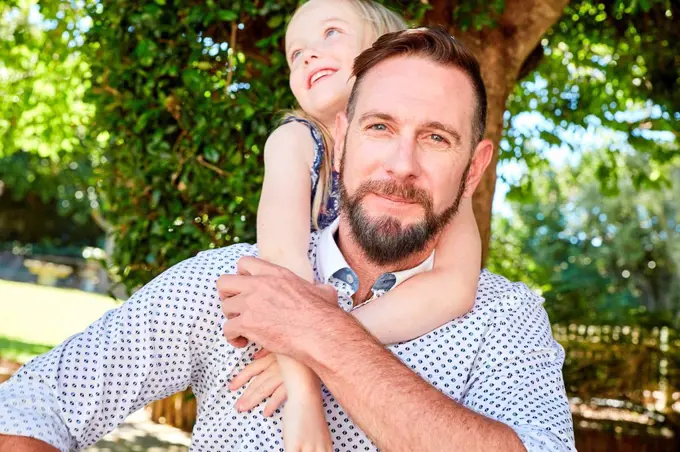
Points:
(501, 297)
(225, 259)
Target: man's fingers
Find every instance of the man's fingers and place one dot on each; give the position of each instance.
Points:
(232, 332)
(253, 266)
(239, 342)
(275, 401)
(251, 370)
(329, 292)
(233, 306)
(261, 353)
(230, 285)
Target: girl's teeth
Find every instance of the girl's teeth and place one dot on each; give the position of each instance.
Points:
(320, 74)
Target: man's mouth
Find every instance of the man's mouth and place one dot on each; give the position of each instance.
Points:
(318, 75)
(396, 199)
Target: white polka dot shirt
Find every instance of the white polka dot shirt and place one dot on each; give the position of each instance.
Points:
(499, 359)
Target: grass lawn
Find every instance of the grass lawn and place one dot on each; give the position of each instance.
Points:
(35, 318)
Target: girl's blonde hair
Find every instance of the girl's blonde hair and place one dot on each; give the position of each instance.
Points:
(381, 20)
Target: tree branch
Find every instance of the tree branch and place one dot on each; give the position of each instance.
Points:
(441, 13)
(212, 167)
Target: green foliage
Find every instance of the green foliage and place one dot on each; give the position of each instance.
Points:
(42, 79)
(48, 202)
(47, 163)
(609, 66)
(596, 258)
(594, 132)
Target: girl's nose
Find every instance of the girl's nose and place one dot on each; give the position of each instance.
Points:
(310, 55)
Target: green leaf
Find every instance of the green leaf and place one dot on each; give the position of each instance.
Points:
(146, 51)
(211, 154)
(227, 15)
(275, 21)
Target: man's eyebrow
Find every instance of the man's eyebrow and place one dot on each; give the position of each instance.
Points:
(440, 126)
(376, 115)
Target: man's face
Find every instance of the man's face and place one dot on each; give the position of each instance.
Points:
(407, 155)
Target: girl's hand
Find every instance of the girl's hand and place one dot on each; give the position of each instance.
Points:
(268, 383)
(304, 424)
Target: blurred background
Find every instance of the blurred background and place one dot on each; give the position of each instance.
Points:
(131, 137)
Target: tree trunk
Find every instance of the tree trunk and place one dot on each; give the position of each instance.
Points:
(501, 51)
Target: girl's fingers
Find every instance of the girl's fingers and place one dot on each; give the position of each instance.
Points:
(261, 388)
(276, 400)
(251, 370)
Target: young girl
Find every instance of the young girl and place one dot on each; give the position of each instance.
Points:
(322, 40)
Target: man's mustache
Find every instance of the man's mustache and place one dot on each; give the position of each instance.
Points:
(406, 192)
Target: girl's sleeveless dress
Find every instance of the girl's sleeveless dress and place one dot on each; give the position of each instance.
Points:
(330, 212)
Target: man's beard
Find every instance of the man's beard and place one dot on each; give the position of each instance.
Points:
(383, 239)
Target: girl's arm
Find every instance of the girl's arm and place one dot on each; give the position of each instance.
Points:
(284, 210)
(283, 221)
(429, 300)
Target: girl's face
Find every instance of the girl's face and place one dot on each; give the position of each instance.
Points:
(322, 41)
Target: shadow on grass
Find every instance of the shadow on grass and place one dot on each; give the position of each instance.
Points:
(19, 351)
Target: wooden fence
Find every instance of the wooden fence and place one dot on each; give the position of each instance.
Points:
(178, 410)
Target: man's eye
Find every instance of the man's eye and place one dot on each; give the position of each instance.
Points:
(331, 32)
(378, 127)
(437, 138)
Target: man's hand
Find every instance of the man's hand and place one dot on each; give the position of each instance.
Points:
(278, 310)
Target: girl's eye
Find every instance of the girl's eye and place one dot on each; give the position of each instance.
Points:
(295, 54)
(332, 32)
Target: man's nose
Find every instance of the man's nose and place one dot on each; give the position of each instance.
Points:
(403, 162)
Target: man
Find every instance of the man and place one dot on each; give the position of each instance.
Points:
(490, 380)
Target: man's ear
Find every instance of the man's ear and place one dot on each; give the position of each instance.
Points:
(339, 138)
(480, 160)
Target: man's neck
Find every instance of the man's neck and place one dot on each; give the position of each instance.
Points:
(367, 271)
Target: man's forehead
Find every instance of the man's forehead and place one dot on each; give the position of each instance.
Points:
(418, 89)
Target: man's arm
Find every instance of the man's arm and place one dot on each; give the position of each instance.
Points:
(519, 398)
(525, 382)
(396, 408)
(142, 351)
(24, 444)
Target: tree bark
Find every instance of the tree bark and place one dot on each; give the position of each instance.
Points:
(502, 51)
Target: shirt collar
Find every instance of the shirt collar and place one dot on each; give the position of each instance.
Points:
(331, 263)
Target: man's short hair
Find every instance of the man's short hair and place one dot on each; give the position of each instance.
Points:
(432, 43)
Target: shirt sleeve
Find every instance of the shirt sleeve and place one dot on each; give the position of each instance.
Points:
(518, 376)
(142, 351)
